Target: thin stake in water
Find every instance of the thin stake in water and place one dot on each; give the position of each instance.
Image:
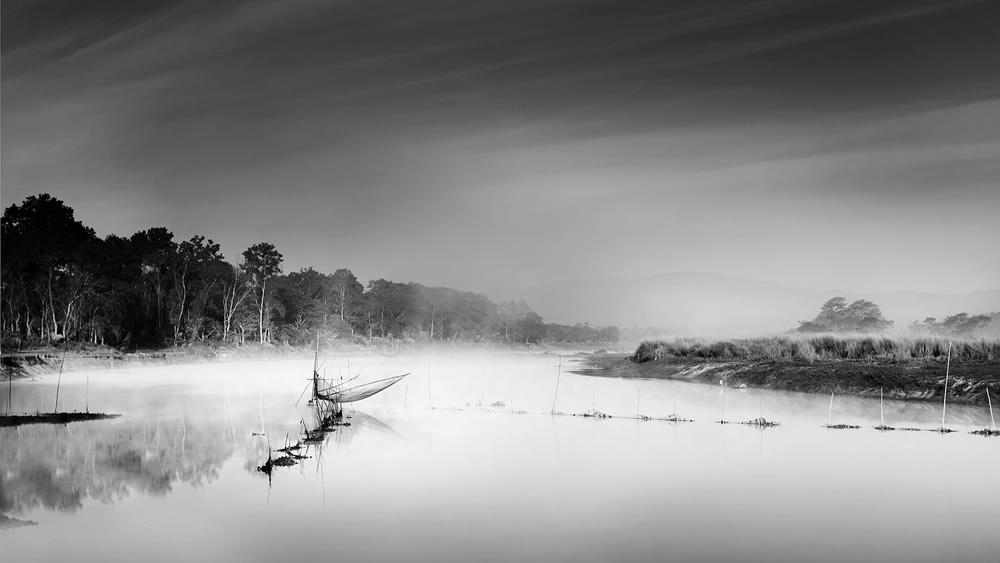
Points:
(881, 410)
(944, 406)
(59, 382)
(10, 388)
(556, 395)
(829, 419)
(990, 401)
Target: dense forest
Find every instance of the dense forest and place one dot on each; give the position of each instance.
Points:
(61, 282)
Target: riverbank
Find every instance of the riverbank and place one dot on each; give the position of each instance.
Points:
(42, 361)
(916, 381)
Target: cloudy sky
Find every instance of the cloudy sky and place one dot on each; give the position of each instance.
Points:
(844, 144)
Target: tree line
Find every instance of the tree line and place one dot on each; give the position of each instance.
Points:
(837, 315)
(60, 281)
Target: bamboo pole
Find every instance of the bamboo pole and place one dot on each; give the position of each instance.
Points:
(59, 382)
(638, 395)
(881, 410)
(829, 419)
(947, 371)
(556, 395)
(261, 394)
(992, 420)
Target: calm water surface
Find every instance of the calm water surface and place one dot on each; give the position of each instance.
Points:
(424, 473)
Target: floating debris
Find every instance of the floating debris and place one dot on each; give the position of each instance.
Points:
(941, 430)
(283, 461)
(884, 428)
(760, 422)
(841, 426)
(672, 418)
(986, 432)
(10, 420)
(9, 523)
(593, 414)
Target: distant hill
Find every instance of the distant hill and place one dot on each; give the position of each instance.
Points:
(697, 303)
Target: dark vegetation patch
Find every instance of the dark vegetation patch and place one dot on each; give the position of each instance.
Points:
(9, 420)
(759, 422)
(9, 523)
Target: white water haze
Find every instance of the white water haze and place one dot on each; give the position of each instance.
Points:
(424, 473)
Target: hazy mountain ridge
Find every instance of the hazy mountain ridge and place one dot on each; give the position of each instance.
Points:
(699, 303)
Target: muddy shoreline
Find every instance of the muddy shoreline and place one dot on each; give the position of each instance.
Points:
(913, 381)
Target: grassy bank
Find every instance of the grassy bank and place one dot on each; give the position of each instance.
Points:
(792, 348)
(912, 369)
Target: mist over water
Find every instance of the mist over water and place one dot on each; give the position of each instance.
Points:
(425, 473)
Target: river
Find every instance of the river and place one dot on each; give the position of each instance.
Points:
(462, 461)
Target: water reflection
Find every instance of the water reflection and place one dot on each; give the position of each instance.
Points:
(57, 467)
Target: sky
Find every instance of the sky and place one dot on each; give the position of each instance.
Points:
(847, 144)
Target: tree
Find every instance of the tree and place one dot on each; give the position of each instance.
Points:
(154, 254)
(307, 298)
(347, 292)
(388, 305)
(532, 328)
(836, 315)
(236, 288)
(509, 314)
(197, 270)
(960, 325)
(40, 263)
(262, 261)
